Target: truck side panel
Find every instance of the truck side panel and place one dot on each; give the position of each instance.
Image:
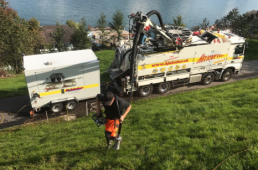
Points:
(91, 75)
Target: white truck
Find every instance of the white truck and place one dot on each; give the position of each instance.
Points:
(175, 57)
(58, 80)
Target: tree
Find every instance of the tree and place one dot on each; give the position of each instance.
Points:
(117, 23)
(239, 24)
(101, 24)
(178, 21)
(195, 28)
(17, 37)
(80, 39)
(57, 36)
(205, 24)
(34, 24)
(72, 24)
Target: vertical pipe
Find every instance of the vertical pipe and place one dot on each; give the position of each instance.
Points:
(87, 113)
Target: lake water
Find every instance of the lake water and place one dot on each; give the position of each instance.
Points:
(192, 11)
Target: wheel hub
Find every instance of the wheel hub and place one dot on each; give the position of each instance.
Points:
(57, 108)
(208, 79)
(227, 75)
(146, 90)
(164, 87)
(71, 105)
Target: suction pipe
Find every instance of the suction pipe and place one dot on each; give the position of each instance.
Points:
(139, 30)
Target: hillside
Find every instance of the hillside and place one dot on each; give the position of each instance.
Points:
(192, 130)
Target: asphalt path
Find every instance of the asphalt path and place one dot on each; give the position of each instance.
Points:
(13, 104)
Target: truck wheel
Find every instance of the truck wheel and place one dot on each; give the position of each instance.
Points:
(227, 74)
(70, 105)
(163, 87)
(208, 79)
(57, 107)
(145, 90)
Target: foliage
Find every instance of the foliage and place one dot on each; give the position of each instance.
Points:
(18, 37)
(72, 24)
(196, 28)
(198, 131)
(101, 24)
(240, 24)
(80, 39)
(34, 24)
(117, 23)
(178, 21)
(58, 37)
(205, 24)
(251, 52)
(95, 47)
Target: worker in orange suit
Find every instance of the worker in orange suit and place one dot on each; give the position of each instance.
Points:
(114, 108)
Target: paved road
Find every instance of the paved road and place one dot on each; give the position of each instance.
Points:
(249, 70)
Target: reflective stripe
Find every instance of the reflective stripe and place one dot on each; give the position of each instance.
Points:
(183, 61)
(59, 91)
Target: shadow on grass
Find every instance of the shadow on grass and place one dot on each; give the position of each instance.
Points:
(38, 160)
(13, 92)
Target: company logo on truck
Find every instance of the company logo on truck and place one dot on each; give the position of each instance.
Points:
(170, 63)
(73, 89)
(204, 58)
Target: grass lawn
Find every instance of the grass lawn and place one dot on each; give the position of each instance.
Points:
(192, 130)
(13, 86)
(106, 58)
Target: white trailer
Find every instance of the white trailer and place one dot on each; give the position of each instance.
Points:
(58, 80)
(176, 57)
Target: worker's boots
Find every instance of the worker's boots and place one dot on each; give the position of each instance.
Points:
(109, 144)
(118, 141)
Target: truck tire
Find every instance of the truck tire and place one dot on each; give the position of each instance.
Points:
(70, 105)
(227, 74)
(56, 108)
(208, 79)
(145, 90)
(163, 87)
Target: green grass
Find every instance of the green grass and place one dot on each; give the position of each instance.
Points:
(252, 50)
(106, 58)
(13, 86)
(192, 130)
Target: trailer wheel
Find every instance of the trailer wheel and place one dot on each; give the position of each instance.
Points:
(208, 79)
(227, 74)
(163, 87)
(145, 90)
(56, 108)
(70, 105)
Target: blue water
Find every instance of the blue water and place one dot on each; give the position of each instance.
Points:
(192, 11)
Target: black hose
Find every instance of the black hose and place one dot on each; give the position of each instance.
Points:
(135, 43)
(139, 29)
(159, 17)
